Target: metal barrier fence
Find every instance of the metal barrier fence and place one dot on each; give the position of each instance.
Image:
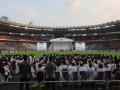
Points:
(113, 85)
(62, 85)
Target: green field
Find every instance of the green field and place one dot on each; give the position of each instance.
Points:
(38, 54)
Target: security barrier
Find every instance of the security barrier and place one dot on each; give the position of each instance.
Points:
(62, 85)
(114, 85)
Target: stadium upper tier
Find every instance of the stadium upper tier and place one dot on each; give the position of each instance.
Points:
(13, 26)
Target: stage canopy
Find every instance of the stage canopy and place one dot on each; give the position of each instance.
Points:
(61, 44)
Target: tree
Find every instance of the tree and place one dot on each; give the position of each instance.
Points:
(30, 23)
(4, 18)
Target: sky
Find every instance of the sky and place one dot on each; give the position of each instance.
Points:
(61, 12)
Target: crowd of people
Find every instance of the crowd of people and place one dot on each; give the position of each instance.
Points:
(59, 67)
(80, 67)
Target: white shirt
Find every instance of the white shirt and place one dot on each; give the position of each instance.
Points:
(91, 73)
(72, 69)
(59, 69)
(82, 68)
(107, 69)
(95, 65)
(7, 70)
(86, 65)
(63, 67)
(100, 70)
(33, 72)
(112, 66)
(42, 68)
(92, 69)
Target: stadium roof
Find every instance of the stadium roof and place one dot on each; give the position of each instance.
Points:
(33, 27)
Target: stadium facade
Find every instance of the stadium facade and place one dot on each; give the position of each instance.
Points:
(16, 36)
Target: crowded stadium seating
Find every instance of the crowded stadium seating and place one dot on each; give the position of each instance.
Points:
(13, 46)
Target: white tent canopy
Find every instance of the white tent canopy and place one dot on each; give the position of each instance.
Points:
(61, 44)
(61, 40)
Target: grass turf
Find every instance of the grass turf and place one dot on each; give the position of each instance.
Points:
(38, 54)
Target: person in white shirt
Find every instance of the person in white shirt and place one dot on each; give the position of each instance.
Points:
(17, 66)
(33, 72)
(112, 65)
(91, 72)
(72, 68)
(82, 71)
(107, 67)
(82, 67)
(95, 64)
(7, 71)
(100, 68)
(100, 72)
(40, 67)
(64, 67)
(59, 69)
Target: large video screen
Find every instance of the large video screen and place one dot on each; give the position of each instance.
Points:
(41, 46)
(80, 46)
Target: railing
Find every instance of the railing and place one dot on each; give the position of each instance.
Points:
(62, 85)
(113, 85)
(76, 85)
(16, 86)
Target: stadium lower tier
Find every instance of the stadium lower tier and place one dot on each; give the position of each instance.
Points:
(17, 46)
(6, 45)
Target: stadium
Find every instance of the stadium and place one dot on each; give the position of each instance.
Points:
(34, 57)
(22, 37)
